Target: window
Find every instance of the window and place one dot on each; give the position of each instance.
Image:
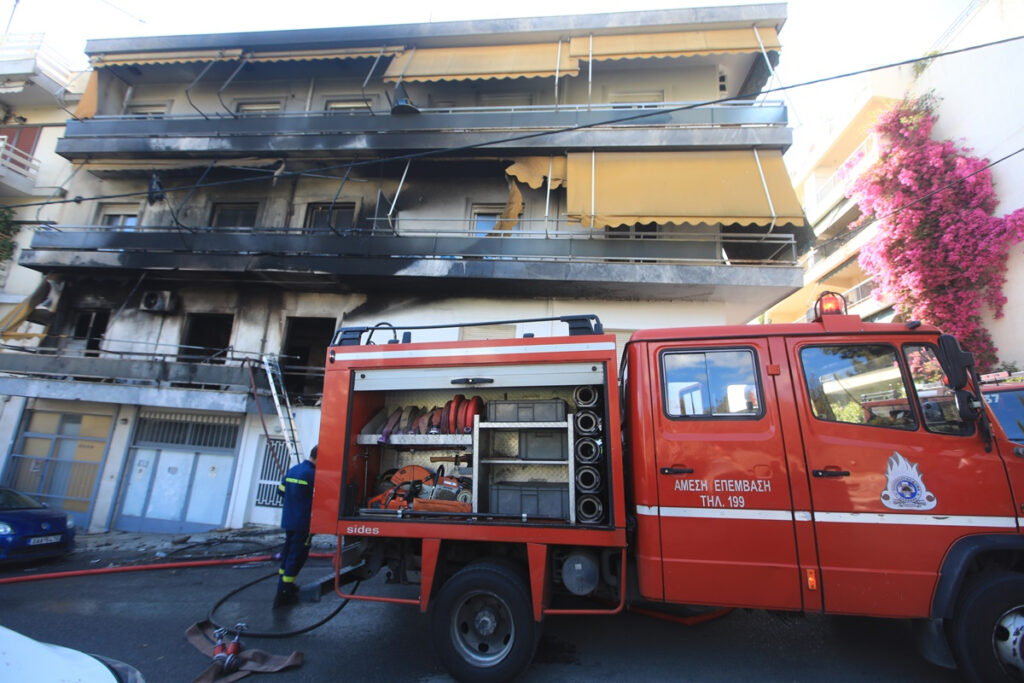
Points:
(89, 327)
(125, 216)
(857, 384)
(303, 356)
(486, 220)
(935, 398)
(207, 338)
(710, 384)
(322, 217)
(234, 215)
(259, 107)
(347, 103)
(151, 109)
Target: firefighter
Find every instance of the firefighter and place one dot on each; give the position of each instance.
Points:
(297, 489)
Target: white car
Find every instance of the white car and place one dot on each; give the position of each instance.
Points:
(25, 659)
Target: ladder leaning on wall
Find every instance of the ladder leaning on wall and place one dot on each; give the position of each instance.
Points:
(283, 406)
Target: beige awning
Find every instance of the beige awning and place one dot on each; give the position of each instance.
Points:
(680, 187)
(680, 44)
(310, 55)
(148, 165)
(89, 103)
(483, 62)
(532, 171)
(137, 58)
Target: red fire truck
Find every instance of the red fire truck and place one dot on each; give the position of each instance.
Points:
(835, 466)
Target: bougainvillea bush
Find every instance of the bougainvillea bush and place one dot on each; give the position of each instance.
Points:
(939, 254)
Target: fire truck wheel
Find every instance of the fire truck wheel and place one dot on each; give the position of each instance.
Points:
(987, 634)
(483, 625)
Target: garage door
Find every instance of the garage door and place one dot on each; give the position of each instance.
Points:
(180, 471)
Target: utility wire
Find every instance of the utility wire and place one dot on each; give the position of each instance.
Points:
(527, 136)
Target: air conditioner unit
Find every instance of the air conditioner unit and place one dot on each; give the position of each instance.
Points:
(158, 301)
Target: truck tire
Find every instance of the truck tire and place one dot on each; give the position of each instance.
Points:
(987, 633)
(482, 624)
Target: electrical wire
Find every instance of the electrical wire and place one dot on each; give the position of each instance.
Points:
(532, 135)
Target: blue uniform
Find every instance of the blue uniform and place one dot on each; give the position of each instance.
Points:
(297, 489)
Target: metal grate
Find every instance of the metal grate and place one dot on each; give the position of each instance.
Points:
(275, 464)
(183, 431)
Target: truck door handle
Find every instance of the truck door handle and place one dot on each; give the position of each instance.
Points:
(827, 472)
(1018, 451)
(473, 380)
(677, 470)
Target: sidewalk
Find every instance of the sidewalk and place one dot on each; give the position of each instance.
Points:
(119, 548)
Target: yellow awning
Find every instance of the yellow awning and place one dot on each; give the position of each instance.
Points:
(129, 58)
(482, 62)
(148, 165)
(310, 55)
(533, 170)
(90, 102)
(680, 44)
(680, 187)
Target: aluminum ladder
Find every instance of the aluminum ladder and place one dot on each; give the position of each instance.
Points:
(283, 405)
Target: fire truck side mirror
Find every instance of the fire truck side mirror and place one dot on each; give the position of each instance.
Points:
(955, 361)
(967, 405)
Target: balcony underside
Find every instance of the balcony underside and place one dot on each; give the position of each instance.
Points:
(511, 132)
(416, 266)
(132, 382)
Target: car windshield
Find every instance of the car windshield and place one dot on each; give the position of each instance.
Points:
(1008, 407)
(12, 500)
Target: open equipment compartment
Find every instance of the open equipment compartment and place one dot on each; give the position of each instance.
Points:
(507, 449)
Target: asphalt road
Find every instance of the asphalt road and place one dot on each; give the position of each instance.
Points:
(141, 618)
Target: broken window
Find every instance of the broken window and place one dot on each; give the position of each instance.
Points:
(235, 215)
(207, 338)
(324, 217)
(88, 329)
(303, 355)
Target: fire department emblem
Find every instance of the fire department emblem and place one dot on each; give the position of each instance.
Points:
(904, 488)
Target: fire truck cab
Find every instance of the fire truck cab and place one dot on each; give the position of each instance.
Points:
(835, 466)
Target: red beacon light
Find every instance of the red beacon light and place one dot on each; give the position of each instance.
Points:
(829, 303)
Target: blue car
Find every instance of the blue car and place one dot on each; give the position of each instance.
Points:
(29, 530)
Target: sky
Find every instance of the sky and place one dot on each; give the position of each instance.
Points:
(820, 38)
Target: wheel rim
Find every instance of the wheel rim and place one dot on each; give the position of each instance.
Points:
(1007, 637)
(482, 628)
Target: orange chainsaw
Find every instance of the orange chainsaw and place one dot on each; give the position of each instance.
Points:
(417, 488)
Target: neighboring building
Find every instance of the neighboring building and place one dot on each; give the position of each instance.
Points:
(836, 154)
(263, 189)
(972, 109)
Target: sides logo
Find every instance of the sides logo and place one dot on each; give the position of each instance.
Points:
(904, 488)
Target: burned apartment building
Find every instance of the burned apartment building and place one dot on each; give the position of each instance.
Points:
(244, 195)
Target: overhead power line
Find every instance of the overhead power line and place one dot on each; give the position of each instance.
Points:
(522, 136)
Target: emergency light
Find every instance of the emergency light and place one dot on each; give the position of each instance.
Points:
(829, 303)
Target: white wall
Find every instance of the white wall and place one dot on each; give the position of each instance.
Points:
(981, 104)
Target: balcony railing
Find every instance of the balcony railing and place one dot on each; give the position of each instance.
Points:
(848, 171)
(549, 129)
(536, 240)
(31, 46)
(14, 160)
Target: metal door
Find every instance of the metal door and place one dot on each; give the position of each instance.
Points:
(896, 476)
(727, 528)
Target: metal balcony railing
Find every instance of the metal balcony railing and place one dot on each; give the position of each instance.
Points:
(546, 240)
(14, 160)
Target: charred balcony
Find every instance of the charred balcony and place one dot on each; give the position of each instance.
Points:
(512, 130)
(714, 264)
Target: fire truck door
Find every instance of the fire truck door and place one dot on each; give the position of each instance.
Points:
(895, 475)
(724, 508)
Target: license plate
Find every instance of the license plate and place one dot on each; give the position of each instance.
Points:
(42, 540)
